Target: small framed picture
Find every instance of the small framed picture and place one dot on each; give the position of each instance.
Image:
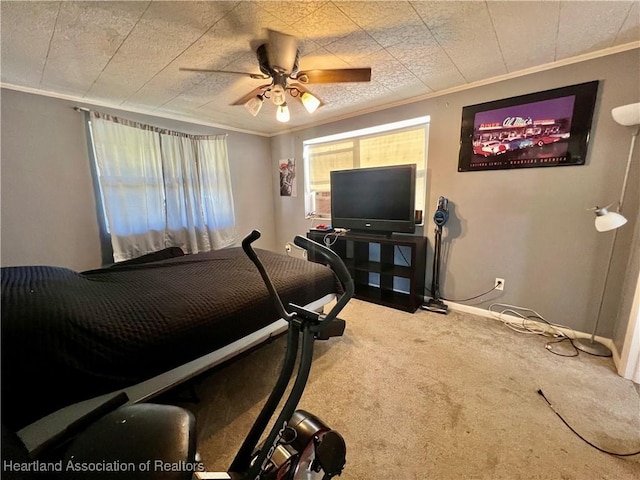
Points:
(287, 169)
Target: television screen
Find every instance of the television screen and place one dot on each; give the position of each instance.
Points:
(378, 199)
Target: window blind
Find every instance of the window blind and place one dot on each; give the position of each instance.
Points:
(397, 147)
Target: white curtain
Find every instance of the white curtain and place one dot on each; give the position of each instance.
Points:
(161, 188)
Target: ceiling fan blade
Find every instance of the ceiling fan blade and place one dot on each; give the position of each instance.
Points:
(205, 70)
(282, 51)
(251, 94)
(339, 75)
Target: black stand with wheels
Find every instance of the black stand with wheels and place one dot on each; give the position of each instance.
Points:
(439, 218)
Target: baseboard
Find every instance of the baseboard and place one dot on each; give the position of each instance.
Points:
(567, 331)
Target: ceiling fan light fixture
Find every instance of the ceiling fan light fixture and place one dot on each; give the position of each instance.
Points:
(279, 60)
(282, 114)
(277, 95)
(310, 102)
(254, 104)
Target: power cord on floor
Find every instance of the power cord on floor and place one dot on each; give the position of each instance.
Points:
(463, 299)
(580, 436)
(471, 298)
(574, 351)
(530, 324)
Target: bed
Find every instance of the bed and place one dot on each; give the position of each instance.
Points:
(73, 340)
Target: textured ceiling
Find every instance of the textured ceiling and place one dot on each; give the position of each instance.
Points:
(128, 54)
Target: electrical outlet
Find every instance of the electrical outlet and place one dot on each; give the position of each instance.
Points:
(499, 285)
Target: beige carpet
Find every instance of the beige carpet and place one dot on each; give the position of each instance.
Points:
(429, 396)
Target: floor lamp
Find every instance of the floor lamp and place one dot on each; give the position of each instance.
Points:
(628, 116)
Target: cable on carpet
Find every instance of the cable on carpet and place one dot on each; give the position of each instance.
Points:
(580, 436)
(533, 317)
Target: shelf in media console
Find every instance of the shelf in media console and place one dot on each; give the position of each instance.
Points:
(387, 262)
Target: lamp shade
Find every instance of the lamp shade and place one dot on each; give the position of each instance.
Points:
(282, 113)
(254, 104)
(277, 95)
(310, 102)
(627, 115)
(606, 220)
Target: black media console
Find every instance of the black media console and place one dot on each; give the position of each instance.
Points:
(388, 271)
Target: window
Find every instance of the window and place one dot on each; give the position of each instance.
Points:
(392, 144)
(160, 188)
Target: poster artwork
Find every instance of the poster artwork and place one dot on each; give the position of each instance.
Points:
(526, 134)
(542, 129)
(287, 177)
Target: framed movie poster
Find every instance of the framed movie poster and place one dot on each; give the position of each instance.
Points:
(543, 129)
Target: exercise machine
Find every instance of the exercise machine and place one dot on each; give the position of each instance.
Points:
(435, 304)
(157, 442)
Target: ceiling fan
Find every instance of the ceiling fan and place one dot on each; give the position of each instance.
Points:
(278, 60)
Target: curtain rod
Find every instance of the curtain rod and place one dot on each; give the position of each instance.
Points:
(160, 129)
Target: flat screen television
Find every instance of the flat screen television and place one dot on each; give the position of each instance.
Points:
(379, 200)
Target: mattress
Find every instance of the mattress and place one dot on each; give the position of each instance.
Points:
(68, 336)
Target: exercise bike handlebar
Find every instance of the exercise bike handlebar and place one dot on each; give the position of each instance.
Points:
(314, 249)
(248, 249)
(332, 258)
(339, 268)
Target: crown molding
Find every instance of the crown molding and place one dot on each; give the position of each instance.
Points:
(479, 83)
(89, 103)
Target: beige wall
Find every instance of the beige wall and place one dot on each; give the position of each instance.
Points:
(48, 212)
(528, 226)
